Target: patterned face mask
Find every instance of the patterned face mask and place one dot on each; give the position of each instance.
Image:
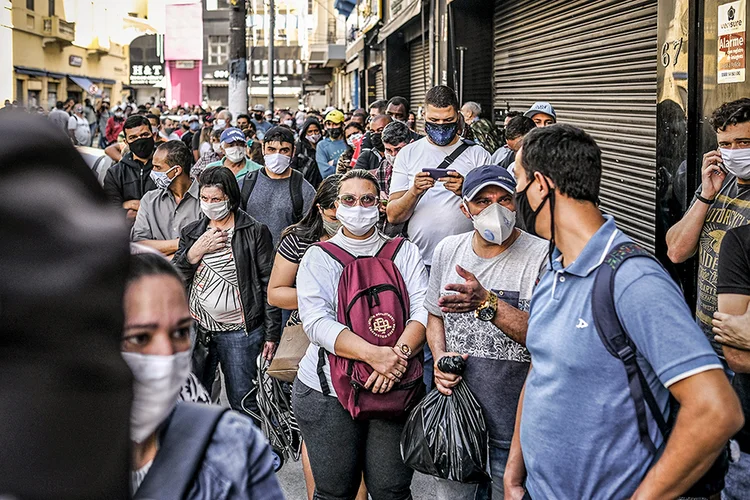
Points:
(441, 133)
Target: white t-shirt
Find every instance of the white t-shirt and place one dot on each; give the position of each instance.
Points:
(81, 128)
(438, 213)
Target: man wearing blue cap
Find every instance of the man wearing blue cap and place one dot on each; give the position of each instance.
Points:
(542, 113)
(478, 299)
(233, 145)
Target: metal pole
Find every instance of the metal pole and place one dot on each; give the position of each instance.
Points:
(461, 51)
(237, 58)
(271, 54)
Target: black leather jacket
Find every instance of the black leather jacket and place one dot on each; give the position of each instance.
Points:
(253, 255)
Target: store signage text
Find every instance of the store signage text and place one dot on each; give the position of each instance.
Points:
(76, 61)
(730, 64)
(146, 74)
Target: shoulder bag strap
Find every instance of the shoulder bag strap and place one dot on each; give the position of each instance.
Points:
(181, 452)
(455, 154)
(295, 188)
(617, 341)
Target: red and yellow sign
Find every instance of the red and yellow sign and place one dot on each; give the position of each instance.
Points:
(731, 44)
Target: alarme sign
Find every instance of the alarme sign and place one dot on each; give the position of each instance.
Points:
(731, 55)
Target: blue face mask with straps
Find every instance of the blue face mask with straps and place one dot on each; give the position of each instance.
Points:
(441, 133)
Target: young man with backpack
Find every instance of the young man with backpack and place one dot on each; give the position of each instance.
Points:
(277, 195)
(613, 347)
(361, 302)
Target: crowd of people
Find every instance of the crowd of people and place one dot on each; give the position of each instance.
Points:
(395, 242)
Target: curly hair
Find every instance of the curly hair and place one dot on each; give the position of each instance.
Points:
(730, 113)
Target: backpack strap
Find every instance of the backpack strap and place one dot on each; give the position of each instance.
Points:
(185, 441)
(390, 249)
(336, 252)
(456, 153)
(247, 187)
(617, 341)
(295, 190)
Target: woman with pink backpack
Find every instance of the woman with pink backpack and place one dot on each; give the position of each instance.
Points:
(361, 301)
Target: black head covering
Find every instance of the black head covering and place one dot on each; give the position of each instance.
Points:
(303, 146)
(66, 390)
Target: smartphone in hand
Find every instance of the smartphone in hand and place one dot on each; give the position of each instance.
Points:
(437, 173)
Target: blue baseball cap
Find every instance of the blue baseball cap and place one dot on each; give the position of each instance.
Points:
(488, 175)
(231, 135)
(541, 107)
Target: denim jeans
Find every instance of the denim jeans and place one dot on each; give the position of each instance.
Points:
(738, 479)
(342, 449)
(452, 490)
(237, 352)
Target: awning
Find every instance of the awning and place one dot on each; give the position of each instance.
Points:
(413, 8)
(86, 84)
(22, 70)
(344, 7)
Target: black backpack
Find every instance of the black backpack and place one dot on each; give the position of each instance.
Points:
(619, 344)
(295, 191)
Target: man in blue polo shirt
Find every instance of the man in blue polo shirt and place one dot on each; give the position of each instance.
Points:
(577, 429)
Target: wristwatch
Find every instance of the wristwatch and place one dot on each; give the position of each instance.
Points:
(405, 349)
(487, 309)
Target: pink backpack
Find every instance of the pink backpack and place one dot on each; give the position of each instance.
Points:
(374, 303)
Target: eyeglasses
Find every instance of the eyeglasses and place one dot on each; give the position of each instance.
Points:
(367, 201)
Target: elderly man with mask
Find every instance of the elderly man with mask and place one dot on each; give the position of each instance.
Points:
(233, 145)
(79, 128)
(478, 301)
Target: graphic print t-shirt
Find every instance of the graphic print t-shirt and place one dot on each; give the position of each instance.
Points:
(497, 365)
(730, 209)
(215, 294)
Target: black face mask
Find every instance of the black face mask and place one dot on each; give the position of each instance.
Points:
(529, 215)
(377, 142)
(258, 116)
(142, 148)
(441, 134)
(335, 133)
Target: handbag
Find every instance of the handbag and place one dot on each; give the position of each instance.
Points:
(292, 348)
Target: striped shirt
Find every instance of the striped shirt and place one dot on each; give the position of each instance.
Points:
(292, 248)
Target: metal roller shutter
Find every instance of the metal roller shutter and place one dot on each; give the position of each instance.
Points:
(595, 61)
(418, 78)
(379, 85)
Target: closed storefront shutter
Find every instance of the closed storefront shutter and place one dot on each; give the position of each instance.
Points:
(379, 85)
(595, 61)
(418, 78)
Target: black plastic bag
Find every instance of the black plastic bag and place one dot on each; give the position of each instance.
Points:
(446, 436)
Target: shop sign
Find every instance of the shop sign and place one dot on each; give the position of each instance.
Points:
(368, 14)
(184, 64)
(76, 61)
(146, 74)
(731, 44)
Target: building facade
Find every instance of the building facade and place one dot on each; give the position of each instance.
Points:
(288, 69)
(68, 48)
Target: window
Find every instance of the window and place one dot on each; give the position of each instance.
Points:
(51, 95)
(218, 50)
(281, 66)
(51, 7)
(30, 4)
(256, 67)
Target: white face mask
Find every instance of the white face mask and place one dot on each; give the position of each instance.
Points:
(390, 159)
(277, 163)
(495, 223)
(235, 154)
(737, 162)
(216, 147)
(215, 211)
(157, 381)
(353, 138)
(220, 125)
(358, 219)
(314, 138)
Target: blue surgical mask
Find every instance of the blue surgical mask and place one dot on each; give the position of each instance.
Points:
(194, 126)
(441, 133)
